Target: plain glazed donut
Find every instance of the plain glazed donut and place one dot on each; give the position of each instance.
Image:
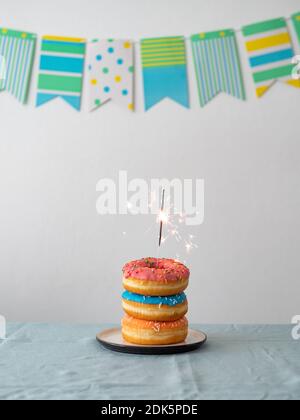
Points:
(155, 277)
(137, 331)
(155, 308)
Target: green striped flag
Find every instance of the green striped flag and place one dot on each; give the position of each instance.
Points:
(296, 21)
(270, 53)
(217, 65)
(17, 51)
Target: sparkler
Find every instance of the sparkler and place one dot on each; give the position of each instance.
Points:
(161, 217)
(172, 225)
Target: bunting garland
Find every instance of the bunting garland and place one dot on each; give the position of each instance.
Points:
(17, 51)
(111, 73)
(164, 70)
(270, 54)
(61, 70)
(217, 65)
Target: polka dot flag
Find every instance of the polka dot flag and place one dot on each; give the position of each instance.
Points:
(110, 73)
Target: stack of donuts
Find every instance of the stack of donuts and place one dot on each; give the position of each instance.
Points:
(154, 301)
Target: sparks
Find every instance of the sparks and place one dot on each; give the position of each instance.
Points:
(163, 217)
(188, 247)
(173, 221)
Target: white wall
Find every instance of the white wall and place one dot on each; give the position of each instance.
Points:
(60, 261)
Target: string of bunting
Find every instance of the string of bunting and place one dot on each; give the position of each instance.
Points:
(110, 65)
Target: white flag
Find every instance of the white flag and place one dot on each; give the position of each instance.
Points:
(110, 72)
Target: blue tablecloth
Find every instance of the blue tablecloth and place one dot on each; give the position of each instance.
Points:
(46, 361)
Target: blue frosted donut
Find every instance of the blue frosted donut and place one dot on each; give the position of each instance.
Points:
(155, 308)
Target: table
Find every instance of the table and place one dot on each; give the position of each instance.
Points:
(53, 361)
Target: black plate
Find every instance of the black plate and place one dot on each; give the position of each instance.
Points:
(112, 339)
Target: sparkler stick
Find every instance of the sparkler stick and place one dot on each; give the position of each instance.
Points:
(161, 219)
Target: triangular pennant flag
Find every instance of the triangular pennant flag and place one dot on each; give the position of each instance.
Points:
(17, 51)
(164, 70)
(296, 22)
(270, 52)
(74, 101)
(217, 65)
(111, 70)
(61, 70)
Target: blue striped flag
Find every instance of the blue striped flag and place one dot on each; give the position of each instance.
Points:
(61, 70)
(17, 51)
(217, 65)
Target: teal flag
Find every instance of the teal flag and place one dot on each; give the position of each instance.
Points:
(164, 70)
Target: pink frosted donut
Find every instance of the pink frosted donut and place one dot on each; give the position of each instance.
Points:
(155, 277)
